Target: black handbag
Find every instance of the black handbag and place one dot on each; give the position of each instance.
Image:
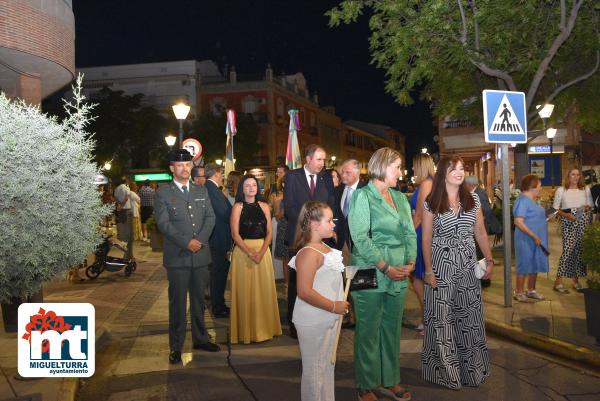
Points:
(364, 279)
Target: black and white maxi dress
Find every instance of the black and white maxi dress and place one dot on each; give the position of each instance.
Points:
(454, 349)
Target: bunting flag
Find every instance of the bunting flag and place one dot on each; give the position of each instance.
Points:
(230, 131)
(292, 156)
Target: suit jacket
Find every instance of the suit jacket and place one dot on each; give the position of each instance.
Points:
(221, 235)
(296, 192)
(180, 220)
(341, 225)
(381, 232)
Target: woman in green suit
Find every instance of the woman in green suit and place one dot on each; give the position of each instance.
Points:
(383, 235)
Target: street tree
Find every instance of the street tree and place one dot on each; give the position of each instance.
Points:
(126, 131)
(450, 51)
(209, 129)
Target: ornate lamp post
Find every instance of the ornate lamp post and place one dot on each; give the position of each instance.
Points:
(545, 112)
(181, 111)
(550, 134)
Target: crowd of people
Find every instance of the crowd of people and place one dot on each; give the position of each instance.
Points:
(218, 228)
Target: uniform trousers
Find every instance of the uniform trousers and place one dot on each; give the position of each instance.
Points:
(377, 338)
(316, 344)
(182, 280)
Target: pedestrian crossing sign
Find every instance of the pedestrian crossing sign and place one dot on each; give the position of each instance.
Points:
(504, 117)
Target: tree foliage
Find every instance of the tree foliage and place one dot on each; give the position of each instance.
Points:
(127, 132)
(209, 129)
(452, 50)
(50, 208)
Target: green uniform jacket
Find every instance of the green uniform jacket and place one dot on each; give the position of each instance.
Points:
(179, 220)
(380, 232)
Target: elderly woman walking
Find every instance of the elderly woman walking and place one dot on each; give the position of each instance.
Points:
(383, 236)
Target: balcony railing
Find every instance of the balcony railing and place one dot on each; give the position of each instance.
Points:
(464, 123)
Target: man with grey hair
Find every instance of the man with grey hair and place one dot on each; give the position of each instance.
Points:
(350, 174)
(473, 186)
(220, 240)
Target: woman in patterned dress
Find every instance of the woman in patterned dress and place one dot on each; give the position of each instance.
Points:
(454, 349)
(574, 204)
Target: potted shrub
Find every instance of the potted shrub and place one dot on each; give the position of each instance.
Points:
(156, 238)
(50, 208)
(591, 258)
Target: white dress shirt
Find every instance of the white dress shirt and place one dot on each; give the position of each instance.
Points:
(353, 186)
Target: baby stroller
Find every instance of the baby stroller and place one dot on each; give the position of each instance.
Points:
(110, 263)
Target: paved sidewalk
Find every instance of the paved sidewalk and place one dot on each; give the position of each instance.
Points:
(557, 324)
(131, 327)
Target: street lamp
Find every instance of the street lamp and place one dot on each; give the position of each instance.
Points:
(219, 162)
(545, 112)
(107, 166)
(550, 134)
(181, 111)
(424, 150)
(170, 140)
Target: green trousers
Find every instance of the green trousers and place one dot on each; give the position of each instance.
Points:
(377, 338)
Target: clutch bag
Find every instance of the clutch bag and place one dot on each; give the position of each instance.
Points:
(364, 279)
(480, 268)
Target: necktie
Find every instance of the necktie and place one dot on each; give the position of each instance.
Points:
(312, 185)
(346, 207)
(185, 191)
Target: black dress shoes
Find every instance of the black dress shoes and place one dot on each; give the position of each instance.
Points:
(174, 357)
(210, 347)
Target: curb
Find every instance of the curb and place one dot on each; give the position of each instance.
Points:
(69, 387)
(550, 345)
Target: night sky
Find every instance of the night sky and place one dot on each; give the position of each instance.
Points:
(249, 34)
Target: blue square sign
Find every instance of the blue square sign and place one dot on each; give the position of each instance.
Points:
(504, 116)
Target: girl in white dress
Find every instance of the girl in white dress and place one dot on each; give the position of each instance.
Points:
(320, 299)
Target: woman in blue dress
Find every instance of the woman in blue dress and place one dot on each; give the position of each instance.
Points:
(423, 169)
(531, 231)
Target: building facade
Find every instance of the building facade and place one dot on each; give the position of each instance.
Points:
(37, 48)
(162, 84)
(484, 159)
(265, 96)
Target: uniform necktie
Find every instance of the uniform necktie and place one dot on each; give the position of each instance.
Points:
(346, 207)
(185, 191)
(312, 185)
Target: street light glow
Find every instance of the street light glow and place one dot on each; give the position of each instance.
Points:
(219, 161)
(333, 158)
(181, 111)
(545, 111)
(423, 150)
(170, 140)
(107, 166)
(551, 133)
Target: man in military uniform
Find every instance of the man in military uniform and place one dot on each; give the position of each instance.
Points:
(185, 217)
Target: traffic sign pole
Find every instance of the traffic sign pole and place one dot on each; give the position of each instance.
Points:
(506, 226)
(505, 121)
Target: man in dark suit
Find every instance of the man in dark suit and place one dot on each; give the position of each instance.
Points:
(350, 173)
(302, 185)
(185, 217)
(220, 240)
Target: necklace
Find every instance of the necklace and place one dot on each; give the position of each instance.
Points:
(455, 206)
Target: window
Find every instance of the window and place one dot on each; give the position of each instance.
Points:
(218, 105)
(249, 105)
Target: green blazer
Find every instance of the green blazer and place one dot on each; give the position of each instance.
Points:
(381, 232)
